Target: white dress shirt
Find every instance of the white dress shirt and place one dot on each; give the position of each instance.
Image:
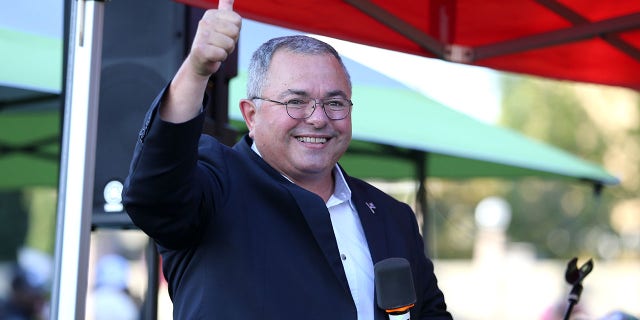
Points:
(353, 247)
(352, 244)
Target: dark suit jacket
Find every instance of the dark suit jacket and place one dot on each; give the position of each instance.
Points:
(239, 241)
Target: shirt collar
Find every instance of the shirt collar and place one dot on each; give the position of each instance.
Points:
(341, 190)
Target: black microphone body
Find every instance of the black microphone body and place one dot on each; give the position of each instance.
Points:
(395, 292)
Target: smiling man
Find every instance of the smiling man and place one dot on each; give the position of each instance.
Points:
(314, 89)
(272, 228)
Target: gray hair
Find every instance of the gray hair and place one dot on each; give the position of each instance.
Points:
(259, 64)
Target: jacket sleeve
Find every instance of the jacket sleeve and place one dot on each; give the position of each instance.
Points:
(163, 191)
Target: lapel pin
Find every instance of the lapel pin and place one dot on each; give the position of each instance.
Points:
(371, 206)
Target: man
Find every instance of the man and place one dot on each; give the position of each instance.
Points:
(271, 228)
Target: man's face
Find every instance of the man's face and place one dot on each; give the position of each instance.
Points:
(301, 148)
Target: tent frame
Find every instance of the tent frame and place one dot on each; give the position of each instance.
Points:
(77, 163)
(582, 29)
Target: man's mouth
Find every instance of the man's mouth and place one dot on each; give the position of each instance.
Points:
(312, 139)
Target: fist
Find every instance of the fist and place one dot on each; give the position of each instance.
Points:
(215, 39)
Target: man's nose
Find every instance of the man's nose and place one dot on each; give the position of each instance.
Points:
(318, 116)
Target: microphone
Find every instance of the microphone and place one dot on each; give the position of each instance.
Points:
(395, 292)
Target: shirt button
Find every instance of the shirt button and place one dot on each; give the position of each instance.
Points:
(343, 256)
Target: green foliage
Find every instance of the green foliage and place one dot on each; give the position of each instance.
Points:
(559, 218)
(562, 219)
(42, 213)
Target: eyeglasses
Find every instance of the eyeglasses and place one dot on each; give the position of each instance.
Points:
(303, 108)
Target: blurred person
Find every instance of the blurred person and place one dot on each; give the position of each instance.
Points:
(111, 298)
(618, 315)
(27, 298)
(272, 228)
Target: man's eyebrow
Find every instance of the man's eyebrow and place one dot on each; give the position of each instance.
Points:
(304, 93)
(296, 92)
(334, 93)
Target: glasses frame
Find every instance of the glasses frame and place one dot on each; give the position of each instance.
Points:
(315, 105)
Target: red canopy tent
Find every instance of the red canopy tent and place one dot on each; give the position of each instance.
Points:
(580, 40)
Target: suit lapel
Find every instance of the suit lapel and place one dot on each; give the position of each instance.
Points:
(372, 220)
(317, 216)
(314, 211)
(371, 212)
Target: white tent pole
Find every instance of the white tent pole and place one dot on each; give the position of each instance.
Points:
(77, 163)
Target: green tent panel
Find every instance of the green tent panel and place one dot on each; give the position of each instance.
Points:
(394, 129)
(30, 61)
(30, 125)
(29, 149)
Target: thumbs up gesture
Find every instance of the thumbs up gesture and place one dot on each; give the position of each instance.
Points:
(215, 38)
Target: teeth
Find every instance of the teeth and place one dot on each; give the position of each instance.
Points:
(312, 139)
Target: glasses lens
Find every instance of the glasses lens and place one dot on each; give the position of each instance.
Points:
(300, 108)
(337, 109)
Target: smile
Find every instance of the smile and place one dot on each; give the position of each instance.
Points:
(312, 139)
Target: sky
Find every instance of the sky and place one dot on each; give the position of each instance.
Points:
(472, 90)
(41, 17)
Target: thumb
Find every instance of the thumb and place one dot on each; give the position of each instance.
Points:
(225, 5)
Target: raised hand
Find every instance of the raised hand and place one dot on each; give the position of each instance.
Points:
(215, 39)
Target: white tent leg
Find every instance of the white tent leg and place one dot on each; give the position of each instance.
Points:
(77, 164)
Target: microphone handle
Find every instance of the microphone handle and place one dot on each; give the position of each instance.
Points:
(402, 316)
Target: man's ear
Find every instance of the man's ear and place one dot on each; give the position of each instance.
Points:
(248, 109)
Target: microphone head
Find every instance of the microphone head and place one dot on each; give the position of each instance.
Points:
(572, 274)
(394, 284)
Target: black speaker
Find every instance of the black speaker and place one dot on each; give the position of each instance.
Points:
(143, 46)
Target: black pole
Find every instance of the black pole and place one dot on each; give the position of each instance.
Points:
(216, 122)
(217, 110)
(421, 201)
(150, 306)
